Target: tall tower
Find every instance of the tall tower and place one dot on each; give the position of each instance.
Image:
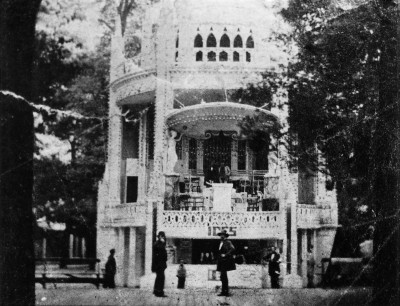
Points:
(194, 56)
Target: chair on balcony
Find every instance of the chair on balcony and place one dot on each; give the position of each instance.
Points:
(238, 204)
(199, 204)
(188, 204)
(195, 184)
(244, 185)
(253, 204)
(258, 185)
(187, 185)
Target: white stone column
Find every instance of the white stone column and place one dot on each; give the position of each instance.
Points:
(83, 247)
(44, 247)
(132, 282)
(149, 238)
(119, 256)
(165, 57)
(304, 255)
(200, 153)
(293, 280)
(185, 154)
(71, 246)
(234, 155)
(114, 152)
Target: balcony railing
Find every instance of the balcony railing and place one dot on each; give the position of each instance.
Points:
(130, 214)
(207, 224)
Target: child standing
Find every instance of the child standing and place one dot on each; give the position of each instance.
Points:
(181, 274)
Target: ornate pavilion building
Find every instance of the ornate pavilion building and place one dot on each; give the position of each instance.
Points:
(173, 122)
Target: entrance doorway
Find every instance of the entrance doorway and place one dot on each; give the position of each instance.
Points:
(217, 150)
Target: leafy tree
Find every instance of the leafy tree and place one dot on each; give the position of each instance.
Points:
(342, 97)
(72, 78)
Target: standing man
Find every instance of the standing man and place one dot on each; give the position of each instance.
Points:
(159, 264)
(225, 261)
(111, 270)
(224, 172)
(273, 268)
(310, 267)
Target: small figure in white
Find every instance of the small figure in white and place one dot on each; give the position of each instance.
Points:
(172, 158)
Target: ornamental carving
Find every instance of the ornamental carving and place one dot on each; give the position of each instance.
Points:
(134, 84)
(191, 219)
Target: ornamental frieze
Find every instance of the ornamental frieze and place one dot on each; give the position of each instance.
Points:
(134, 84)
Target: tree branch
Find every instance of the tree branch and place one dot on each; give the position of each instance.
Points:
(107, 24)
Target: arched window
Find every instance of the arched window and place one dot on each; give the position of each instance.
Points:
(223, 56)
(199, 56)
(238, 43)
(248, 57)
(225, 41)
(236, 56)
(211, 41)
(198, 41)
(211, 56)
(250, 42)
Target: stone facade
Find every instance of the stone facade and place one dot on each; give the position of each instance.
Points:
(194, 53)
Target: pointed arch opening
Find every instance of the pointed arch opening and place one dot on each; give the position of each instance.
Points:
(250, 42)
(238, 42)
(211, 41)
(225, 42)
(248, 57)
(236, 56)
(199, 56)
(223, 56)
(198, 41)
(212, 57)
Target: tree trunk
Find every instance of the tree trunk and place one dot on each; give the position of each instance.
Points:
(17, 263)
(17, 37)
(385, 181)
(17, 266)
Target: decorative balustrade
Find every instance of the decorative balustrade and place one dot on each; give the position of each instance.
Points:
(207, 224)
(130, 214)
(309, 216)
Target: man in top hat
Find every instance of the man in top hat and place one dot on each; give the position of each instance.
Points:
(159, 264)
(111, 270)
(225, 261)
(274, 270)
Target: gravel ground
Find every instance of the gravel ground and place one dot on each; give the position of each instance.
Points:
(68, 295)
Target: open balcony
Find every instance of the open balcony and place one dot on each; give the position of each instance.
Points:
(207, 224)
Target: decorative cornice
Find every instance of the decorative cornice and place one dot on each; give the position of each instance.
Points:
(128, 78)
(239, 69)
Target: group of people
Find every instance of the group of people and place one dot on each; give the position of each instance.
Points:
(218, 174)
(225, 263)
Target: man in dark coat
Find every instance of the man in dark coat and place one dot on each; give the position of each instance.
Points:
(159, 264)
(274, 270)
(225, 261)
(111, 270)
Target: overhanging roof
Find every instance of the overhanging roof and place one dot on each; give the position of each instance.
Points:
(200, 119)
